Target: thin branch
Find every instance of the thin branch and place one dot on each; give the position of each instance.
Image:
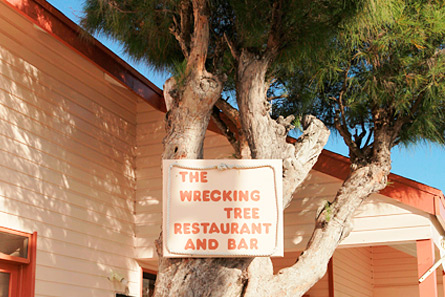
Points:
(405, 119)
(273, 41)
(232, 47)
(182, 29)
(359, 137)
(343, 90)
(277, 97)
(231, 112)
(200, 37)
(371, 131)
(173, 30)
(340, 119)
(344, 132)
(186, 23)
(114, 5)
(231, 137)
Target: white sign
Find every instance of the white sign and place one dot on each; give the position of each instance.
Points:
(222, 208)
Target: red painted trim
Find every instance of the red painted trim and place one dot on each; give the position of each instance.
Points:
(149, 271)
(331, 277)
(333, 164)
(443, 283)
(29, 271)
(14, 259)
(142, 276)
(141, 280)
(407, 191)
(425, 259)
(14, 274)
(26, 272)
(60, 27)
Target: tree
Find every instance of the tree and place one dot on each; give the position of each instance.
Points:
(193, 39)
(382, 84)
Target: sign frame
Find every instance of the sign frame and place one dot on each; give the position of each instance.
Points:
(224, 167)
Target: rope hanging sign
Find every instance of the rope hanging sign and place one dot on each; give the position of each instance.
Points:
(222, 208)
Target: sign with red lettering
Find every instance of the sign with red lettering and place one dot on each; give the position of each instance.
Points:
(222, 208)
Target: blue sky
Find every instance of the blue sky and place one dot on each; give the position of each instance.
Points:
(424, 163)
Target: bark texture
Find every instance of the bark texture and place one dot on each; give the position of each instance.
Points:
(332, 224)
(190, 104)
(267, 137)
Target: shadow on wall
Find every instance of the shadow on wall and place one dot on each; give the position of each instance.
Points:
(66, 160)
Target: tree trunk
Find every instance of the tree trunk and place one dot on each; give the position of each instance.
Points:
(267, 138)
(190, 107)
(331, 227)
(332, 224)
(186, 127)
(231, 276)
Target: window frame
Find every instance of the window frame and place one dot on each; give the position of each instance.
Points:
(6, 257)
(149, 271)
(26, 268)
(14, 274)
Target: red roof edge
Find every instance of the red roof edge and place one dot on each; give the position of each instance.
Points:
(50, 19)
(405, 190)
(66, 31)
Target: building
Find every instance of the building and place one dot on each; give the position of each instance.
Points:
(80, 179)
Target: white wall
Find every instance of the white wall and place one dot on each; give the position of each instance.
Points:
(353, 272)
(67, 160)
(395, 273)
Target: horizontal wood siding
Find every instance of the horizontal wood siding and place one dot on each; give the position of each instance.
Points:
(67, 159)
(395, 273)
(353, 272)
(148, 207)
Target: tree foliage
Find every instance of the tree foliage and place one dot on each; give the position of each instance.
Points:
(143, 27)
(384, 68)
(373, 70)
(159, 31)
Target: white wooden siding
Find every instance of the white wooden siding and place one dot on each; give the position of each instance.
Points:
(67, 160)
(353, 272)
(395, 273)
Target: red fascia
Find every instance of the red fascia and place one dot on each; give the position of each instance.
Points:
(407, 191)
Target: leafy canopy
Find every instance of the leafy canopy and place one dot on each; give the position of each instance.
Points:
(149, 30)
(143, 28)
(384, 70)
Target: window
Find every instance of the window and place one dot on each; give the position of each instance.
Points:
(148, 284)
(17, 263)
(9, 282)
(14, 246)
